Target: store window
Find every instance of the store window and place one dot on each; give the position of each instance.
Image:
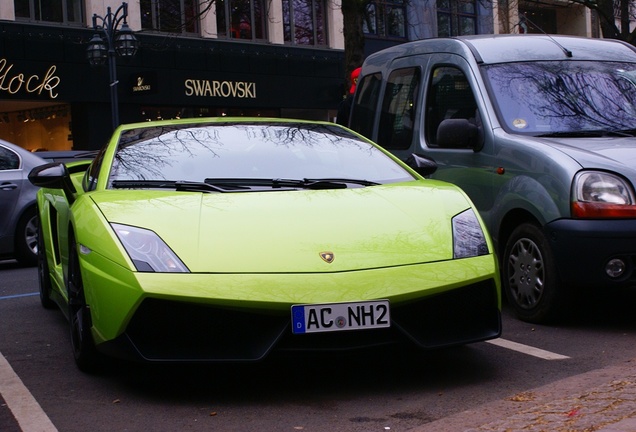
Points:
(241, 19)
(385, 19)
(57, 11)
(539, 21)
(172, 16)
(37, 127)
(456, 17)
(305, 22)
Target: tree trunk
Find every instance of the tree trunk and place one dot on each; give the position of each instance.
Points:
(352, 15)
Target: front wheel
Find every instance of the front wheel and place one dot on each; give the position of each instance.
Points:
(86, 355)
(529, 276)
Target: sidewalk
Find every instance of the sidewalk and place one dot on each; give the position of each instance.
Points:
(603, 400)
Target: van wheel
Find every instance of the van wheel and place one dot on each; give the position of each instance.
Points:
(529, 277)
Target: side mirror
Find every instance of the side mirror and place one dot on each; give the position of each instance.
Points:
(421, 164)
(51, 175)
(459, 133)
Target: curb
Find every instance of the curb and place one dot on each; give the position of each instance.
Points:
(603, 400)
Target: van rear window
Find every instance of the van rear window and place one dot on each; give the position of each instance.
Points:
(366, 99)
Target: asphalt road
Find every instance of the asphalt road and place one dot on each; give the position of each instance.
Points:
(376, 390)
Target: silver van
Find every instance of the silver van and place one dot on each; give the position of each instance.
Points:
(540, 131)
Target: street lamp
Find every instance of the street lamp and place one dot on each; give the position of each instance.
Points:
(121, 42)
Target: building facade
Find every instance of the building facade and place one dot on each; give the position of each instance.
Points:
(278, 58)
(234, 60)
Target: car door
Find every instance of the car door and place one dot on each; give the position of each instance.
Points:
(11, 184)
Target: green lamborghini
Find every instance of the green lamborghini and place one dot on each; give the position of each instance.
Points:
(221, 239)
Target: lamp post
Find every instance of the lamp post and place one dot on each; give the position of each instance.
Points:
(116, 41)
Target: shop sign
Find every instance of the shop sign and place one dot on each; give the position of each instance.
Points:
(14, 82)
(223, 89)
(144, 83)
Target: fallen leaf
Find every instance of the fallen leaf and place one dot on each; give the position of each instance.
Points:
(522, 397)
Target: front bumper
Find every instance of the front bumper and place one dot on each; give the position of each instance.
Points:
(164, 330)
(231, 317)
(582, 248)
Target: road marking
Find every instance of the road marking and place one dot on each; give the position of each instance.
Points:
(19, 295)
(26, 410)
(536, 352)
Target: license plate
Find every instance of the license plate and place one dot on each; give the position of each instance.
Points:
(328, 317)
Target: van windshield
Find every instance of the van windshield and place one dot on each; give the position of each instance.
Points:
(565, 98)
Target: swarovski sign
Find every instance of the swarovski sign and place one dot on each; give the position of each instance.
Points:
(14, 82)
(223, 89)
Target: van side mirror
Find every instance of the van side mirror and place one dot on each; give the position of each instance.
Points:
(421, 164)
(459, 133)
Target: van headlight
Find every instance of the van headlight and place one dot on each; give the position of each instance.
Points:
(147, 251)
(468, 237)
(599, 194)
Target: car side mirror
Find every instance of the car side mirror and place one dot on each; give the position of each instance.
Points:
(51, 175)
(459, 133)
(421, 164)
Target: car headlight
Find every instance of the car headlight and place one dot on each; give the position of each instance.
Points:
(468, 237)
(147, 251)
(598, 194)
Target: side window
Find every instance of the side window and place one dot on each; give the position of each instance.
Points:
(53, 11)
(241, 19)
(398, 109)
(90, 178)
(449, 97)
(8, 159)
(175, 16)
(366, 99)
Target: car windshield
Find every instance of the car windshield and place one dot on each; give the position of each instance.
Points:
(249, 156)
(565, 98)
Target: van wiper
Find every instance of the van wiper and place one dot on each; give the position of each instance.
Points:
(591, 134)
(276, 183)
(572, 134)
(624, 132)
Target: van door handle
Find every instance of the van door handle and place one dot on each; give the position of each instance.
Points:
(8, 186)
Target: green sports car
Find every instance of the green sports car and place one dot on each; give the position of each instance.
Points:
(226, 239)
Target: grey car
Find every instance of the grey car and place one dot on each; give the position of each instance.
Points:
(18, 220)
(18, 216)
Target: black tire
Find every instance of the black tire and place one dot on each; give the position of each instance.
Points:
(87, 358)
(44, 278)
(26, 238)
(529, 277)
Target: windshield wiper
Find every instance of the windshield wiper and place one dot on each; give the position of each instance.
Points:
(572, 134)
(307, 183)
(624, 132)
(590, 134)
(345, 180)
(178, 185)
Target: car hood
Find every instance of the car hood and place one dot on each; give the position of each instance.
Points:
(615, 154)
(273, 232)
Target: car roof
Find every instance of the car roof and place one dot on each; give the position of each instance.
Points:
(29, 159)
(488, 49)
(66, 155)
